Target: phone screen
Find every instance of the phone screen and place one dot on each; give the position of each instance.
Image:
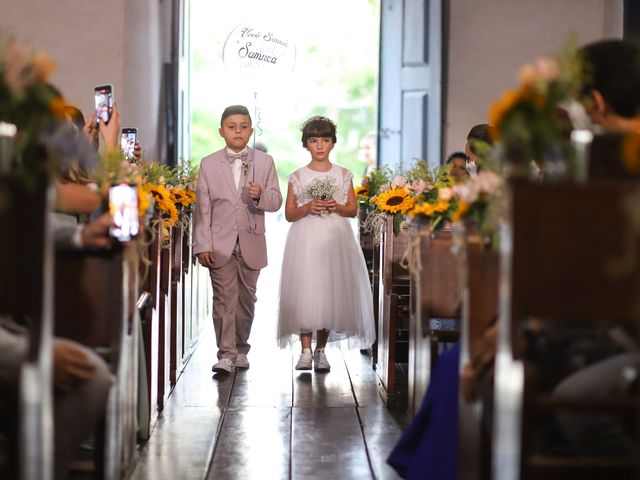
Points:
(103, 101)
(128, 142)
(123, 207)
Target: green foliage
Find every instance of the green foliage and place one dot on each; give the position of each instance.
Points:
(343, 88)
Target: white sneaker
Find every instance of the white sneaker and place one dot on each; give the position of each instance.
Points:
(304, 362)
(320, 362)
(225, 365)
(242, 361)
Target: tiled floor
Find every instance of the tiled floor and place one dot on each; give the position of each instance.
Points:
(271, 421)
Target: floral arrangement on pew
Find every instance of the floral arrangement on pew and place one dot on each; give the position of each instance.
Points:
(378, 186)
(370, 188)
(27, 101)
(532, 121)
(480, 204)
(169, 190)
(434, 198)
(419, 191)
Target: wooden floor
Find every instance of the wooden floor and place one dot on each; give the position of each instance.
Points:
(272, 421)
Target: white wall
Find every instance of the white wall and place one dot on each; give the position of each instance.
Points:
(490, 39)
(88, 39)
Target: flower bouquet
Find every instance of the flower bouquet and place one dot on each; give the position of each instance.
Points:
(321, 188)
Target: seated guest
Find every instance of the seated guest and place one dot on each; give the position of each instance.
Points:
(611, 95)
(428, 448)
(458, 162)
(478, 136)
(81, 378)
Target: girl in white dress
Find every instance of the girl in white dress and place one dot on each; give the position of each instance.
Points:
(324, 287)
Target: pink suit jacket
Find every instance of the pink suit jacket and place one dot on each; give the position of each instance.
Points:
(225, 213)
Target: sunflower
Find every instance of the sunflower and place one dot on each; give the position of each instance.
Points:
(395, 200)
(463, 208)
(161, 195)
(501, 108)
(182, 197)
(362, 192)
(171, 220)
(143, 201)
(428, 209)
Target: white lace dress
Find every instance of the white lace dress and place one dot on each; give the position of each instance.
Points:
(324, 282)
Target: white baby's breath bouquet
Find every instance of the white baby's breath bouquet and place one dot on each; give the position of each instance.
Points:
(321, 188)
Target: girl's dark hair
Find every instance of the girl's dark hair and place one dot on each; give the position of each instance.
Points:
(318, 127)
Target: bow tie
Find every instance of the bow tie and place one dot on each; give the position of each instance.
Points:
(232, 157)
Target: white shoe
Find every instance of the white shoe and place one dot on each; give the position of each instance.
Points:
(304, 362)
(320, 362)
(225, 365)
(242, 361)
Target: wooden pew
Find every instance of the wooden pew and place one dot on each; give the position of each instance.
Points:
(371, 253)
(191, 319)
(435, 317)
(480, 277)
(96, 297)
(26, 286)
(151, 275)
(177, 304)
(561, 252)
(393, 316)
(165, 320)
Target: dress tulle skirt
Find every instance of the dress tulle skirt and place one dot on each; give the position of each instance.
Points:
(324, 283)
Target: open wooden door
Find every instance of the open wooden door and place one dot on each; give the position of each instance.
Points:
(410, 103)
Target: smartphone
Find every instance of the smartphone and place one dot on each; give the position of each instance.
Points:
(123, 207)
(103, 102)
(128, 139)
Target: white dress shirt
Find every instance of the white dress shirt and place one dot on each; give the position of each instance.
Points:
(236, 168)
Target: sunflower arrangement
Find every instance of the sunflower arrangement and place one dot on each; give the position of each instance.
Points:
(371, 185)
(28, 103)
(480, 201)
(531, 122)
(434, 198)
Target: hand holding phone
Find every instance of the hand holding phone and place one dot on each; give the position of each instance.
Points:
(103, 102)
(128, 139)
(123, 207)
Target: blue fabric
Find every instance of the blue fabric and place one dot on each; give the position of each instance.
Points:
(428, 448)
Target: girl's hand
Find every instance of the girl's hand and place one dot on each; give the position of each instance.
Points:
(330, 205)
(316, 207)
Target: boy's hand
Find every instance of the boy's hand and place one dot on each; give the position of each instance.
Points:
(255, 190)
(206, 259)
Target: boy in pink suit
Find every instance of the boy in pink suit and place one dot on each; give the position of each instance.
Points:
(236, 186)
